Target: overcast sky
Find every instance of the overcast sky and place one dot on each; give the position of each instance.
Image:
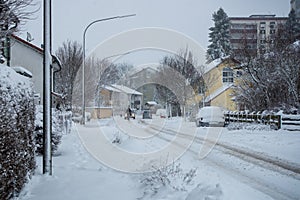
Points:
(190, 17)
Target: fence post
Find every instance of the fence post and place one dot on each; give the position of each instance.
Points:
(279, 121)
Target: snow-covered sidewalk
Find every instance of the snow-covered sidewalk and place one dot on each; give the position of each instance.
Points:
(77, 175)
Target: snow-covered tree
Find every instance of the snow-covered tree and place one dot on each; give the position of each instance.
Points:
(292, 28)
(70, 56)
(219, 36)
(113, 73)
(13, 13)
(185, 64)
(271, 80)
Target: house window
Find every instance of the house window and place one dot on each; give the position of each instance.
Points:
(272, 31)
(262, 25)
(272, 25)
(262, 31)
(239, 73)
(227, 75)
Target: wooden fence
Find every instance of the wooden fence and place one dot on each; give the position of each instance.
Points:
(290, 122)
(287, 122)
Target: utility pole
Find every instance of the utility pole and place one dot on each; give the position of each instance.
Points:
(47, 157)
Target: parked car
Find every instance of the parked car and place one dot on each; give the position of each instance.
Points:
(210, 116)
(147, 114)
(162, 113)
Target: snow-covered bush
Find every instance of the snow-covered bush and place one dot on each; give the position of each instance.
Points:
(38, 131)
(250, 126)
(170, 177)
(17, 161)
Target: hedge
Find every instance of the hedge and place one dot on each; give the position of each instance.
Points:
(17, 116)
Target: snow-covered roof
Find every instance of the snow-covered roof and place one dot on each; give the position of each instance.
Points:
(150, 66)
(151, 103)
(23, 71)
(215, 63)
(110, 88)
(126, 90)
(218, 92)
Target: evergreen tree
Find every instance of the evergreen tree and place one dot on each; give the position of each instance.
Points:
(292, 28)
(219, 36)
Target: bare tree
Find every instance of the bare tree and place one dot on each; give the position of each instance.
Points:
(186, 81)
(109, 74)
(13, 13)
(97, 73)
(70, 55)
(93, 72)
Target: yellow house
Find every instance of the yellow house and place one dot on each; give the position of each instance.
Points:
(220, 78)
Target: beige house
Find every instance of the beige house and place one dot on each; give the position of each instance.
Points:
(115, 99)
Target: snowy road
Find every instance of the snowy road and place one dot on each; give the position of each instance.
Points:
(274, 176)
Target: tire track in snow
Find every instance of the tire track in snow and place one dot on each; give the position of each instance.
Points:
(251, 157)
(289, 168)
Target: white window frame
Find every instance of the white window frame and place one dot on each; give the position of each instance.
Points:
(227, 75)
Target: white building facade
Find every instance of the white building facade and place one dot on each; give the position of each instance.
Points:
(24, 54)
(254, 32)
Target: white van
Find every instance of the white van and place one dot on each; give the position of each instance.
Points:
(210, 116)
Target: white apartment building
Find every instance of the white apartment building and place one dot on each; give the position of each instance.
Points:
(254, 32)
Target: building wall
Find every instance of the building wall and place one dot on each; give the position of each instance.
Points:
(224, 100)
(105, 98)
(214, 81)
(257, 31)
(30, 59)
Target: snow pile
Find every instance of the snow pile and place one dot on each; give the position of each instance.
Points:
(16, 133)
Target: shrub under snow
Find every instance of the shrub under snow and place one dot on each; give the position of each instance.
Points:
(38, 130)
(16, 132)
(171, 177)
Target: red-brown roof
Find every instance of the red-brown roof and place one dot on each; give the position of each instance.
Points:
(28, 43)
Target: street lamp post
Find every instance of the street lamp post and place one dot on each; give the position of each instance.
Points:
(83, 61)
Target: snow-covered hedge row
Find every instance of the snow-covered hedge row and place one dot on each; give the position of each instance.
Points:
(16, 132)
(38, 131)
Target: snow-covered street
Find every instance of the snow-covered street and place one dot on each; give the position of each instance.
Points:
(243, 164)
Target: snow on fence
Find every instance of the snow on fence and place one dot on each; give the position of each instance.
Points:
(287, 122)
(290, 122)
